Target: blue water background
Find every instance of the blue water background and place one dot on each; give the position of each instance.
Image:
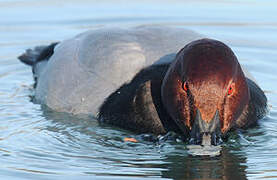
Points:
(36, 143)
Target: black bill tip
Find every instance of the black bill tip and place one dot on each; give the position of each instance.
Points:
(204, 133)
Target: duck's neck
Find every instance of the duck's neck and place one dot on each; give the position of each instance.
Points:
(255, 109)
(148, 102)
(163, 115)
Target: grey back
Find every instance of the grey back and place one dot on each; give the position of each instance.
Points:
(86, 69)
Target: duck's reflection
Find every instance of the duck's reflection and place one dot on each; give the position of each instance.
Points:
(227, 166)
(230, 165)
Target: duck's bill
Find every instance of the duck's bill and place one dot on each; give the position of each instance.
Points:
(205, 138)
(206, 133)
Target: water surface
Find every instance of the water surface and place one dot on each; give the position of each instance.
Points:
(37, 143)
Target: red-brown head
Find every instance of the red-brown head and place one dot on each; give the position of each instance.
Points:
(205, 84)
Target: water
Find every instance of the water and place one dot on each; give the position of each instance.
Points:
(36, 143)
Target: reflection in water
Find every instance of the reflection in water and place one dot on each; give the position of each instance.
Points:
(227, 166)
(168, 160)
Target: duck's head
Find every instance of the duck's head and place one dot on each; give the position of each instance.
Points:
(205, 90)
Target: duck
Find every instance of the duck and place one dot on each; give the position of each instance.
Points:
(149, 79)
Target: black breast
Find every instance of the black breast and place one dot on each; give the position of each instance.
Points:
(137, 105)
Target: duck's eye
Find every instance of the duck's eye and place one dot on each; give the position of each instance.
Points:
(230, 89)
(185, 86)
